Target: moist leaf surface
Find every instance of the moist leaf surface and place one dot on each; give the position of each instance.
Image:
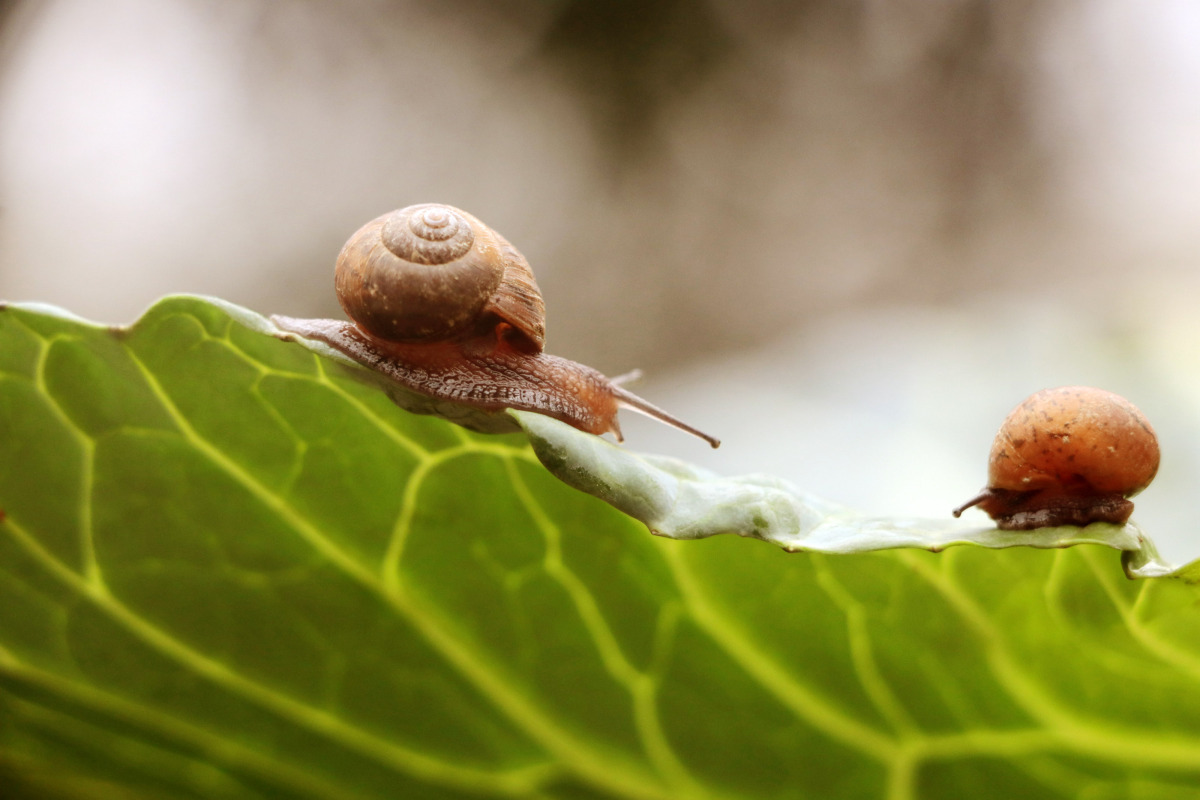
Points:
(233, 568)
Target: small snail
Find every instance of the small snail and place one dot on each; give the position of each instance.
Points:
(1068, 456)
(444, 305)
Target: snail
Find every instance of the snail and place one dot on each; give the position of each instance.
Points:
(1068, 456)
(444, 306)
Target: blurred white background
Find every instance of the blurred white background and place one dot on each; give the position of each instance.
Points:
(846, 237)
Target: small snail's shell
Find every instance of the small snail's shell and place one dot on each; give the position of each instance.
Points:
(432, 272)
(1075, 436)
(1068, 456)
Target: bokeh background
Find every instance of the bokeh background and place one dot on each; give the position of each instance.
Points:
(847, 237)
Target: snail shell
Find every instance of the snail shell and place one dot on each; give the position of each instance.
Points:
(433, 272)
(1068, 456)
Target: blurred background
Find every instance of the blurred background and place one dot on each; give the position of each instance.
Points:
(846, 237)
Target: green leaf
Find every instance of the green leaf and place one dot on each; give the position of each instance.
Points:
(233, 568)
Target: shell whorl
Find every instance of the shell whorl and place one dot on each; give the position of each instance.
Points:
(427, 234)
(432, 272)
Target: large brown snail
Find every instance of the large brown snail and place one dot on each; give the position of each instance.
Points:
(445, 306)
(1068, 456)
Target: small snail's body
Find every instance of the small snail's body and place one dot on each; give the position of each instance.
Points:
(448, 308)
(1068, 456)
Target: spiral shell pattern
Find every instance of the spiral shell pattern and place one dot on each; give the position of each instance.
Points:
(428, 234)
(430, 273)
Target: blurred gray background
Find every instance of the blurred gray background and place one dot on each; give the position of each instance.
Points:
(846, 237)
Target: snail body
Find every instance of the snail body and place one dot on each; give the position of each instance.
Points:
(1068, 456)
(446, 307)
